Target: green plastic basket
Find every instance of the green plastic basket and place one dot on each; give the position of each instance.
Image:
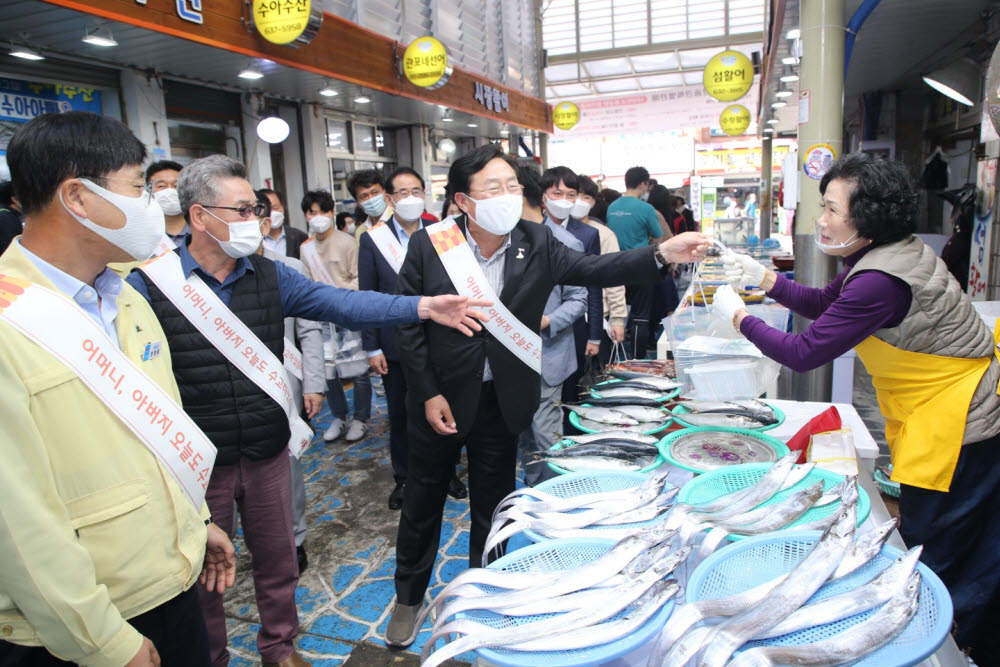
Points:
(780, 449)
(886, 485)
(574, 420)
(679, 411)
(657, 462)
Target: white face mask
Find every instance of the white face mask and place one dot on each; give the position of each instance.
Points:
(374, 206)
(644, 196)
(351, 228)
(319, 224)
(558, 208)
(581, 209)
(244, 237)
(168, 201)
(410, 208)
(277, 219)
(826, 247)
(498, 215)
(144, 223)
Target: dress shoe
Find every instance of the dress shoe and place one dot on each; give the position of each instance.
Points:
(396, 497)
(294, 660)
(303, 558)
(402, 628)
(456, 489)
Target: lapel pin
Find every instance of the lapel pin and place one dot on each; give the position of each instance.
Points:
(520, 253)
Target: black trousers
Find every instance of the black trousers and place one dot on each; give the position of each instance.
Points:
(492, 456)
(640, 300)
(176, 628)
(395, 399)
(960, 531)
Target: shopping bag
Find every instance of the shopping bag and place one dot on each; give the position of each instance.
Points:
(349, 358)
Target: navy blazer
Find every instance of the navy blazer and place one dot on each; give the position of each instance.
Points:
(375, 274)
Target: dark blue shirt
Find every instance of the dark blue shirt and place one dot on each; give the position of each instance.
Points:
(301, 297)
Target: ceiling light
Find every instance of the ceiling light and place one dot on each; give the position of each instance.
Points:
(472, 124)
(790, 60)
(783, 93)
(250, 74)
(778, 105)
(504, 133)
(362, 99)
(328, 91)
(768, 130)
(99, 37)
(793, 34)
(26, 53)
(772, 121)
(272, 129)
(959, 81)
(447, 119)
(789, 78)
(447, 146)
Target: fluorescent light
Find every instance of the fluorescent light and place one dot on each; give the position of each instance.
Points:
(789, 78)
(772, 121)
(472, 124)
(447, 119)
(790, 60)
(504, 133)
(778, 105)
(362, 99)
(768, 130)
(100, 38)
(26, 53)
(250, 73)
(959, 81)
(793, 34)
(273, 130)
(328, 91)
(783, 93)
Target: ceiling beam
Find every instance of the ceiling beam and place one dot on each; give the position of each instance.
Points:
(627, 75)
(655, 49)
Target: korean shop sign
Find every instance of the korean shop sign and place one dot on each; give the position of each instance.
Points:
(287, 22)
(728, 76)
(425, 63)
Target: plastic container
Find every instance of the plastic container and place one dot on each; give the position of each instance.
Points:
(716, 458)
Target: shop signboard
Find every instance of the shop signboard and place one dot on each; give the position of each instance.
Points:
(728, 76)
(565, 115)
(735, 157)
(425, 63)
(694, 197)
(982, 229)
(735, 119)
(20, 101)
(287, 22)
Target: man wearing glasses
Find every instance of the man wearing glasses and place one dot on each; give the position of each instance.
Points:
(230, 375)
(482, 391)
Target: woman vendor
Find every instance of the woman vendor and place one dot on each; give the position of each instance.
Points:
(934, 365)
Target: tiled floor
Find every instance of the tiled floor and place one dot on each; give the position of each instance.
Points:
(345, 595)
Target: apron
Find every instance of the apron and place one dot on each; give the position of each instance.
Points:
(925, 399)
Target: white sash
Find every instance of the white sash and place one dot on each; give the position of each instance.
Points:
(293, 359)
(228, 334)
(469, 280)
(310, 257)
(388, 245)
(59, 326)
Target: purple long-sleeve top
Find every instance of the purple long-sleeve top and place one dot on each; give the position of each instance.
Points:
(843, 316)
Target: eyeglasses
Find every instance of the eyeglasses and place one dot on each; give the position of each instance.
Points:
(497, 190)
(244, 211)
(415, 192)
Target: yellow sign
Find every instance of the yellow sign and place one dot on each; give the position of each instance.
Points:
(425, 63)
(565, 115)
(728, 76)
(289, 23)
(735, 119)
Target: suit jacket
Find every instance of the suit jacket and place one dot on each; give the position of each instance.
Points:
(565, 307)
(293, 241)
(440, 360)
(375, 274)
(593, 328)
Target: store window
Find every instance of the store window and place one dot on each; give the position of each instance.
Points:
(338, 135)
(353, 146)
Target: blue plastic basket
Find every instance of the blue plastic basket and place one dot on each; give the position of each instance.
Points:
(756, 560)
(575, 484)
(780, 448)
(574, 419)
(657, 462)
(679, 410)
(706, 488)
(549, 556)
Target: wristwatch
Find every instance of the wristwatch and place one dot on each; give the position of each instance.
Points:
(659, 256)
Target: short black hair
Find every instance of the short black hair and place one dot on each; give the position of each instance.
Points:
(609, 195)
(364, 179)
(661, 199)
(264, 201)
(528, 176)
(162, 165)
(635, 177)
(400, 172)
(588, 187)
(552, 176)
(6, 193)
(464, 167)
(269, 191)
(50, 148)
(321, 197)
(342, 219)
(883, 204)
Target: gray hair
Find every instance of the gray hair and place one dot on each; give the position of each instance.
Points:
(198, 182)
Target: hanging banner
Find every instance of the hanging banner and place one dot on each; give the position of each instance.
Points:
(735, 119)
(728, 76)
(425, 63)
(565, 115)
(287, 23)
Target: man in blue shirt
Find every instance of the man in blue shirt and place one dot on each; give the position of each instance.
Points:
(249, 429)
(635, 224)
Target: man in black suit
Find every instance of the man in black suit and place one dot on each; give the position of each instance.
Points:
(405, 194)
(476, 391)
(283, 239)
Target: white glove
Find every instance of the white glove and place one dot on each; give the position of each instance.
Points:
(743, 270)
(726, 302)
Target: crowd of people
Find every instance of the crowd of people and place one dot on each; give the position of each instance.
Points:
(164, 340)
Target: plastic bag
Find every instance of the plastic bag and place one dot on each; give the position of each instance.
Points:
(591, 375)
(343, 351)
